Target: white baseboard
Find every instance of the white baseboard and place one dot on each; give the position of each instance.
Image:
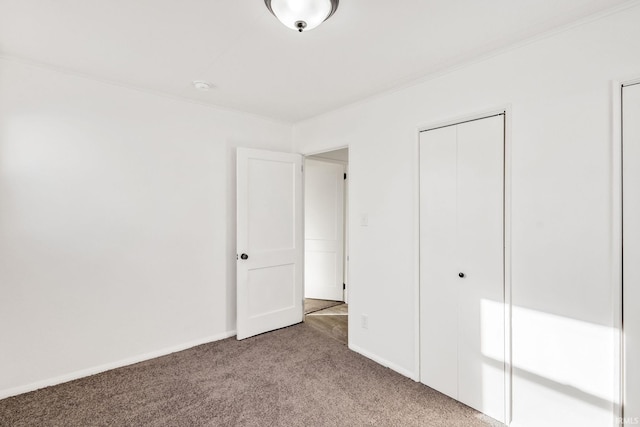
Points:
(109, 366)
(402, 371)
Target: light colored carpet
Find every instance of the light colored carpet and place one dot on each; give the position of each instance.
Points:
(291, 377)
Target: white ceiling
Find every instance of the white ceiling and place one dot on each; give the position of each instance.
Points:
(257, 64)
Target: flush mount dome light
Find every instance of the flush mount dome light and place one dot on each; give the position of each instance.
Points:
(302, 14)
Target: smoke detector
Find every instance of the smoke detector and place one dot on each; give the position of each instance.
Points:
(202, 85)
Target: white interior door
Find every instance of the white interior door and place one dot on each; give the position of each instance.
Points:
(631, 248)
(462, 263)
(269, 241)
(324, 230)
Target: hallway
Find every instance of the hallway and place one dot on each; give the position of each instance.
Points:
(328, 317)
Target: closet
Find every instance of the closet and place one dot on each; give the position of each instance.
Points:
(462, 315)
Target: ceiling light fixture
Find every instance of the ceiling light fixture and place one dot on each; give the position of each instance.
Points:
(302, 14)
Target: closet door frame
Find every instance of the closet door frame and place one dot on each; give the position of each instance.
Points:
(507, 111)
(616, 237)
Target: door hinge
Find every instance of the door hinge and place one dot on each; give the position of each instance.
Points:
(344, 286)
(345, 175)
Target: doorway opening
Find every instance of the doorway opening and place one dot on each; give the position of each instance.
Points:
(326, 255)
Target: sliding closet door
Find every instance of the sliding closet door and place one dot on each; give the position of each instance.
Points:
(462, 263)
(631, 247)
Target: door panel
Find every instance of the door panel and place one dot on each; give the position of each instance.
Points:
(269, 211)
(264, 300)
(272, 202)
(631, 247)
(324, 230)
(438, 267)
(480, 254)
(461, 232)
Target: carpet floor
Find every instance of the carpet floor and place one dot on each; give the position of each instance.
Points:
(295, 376)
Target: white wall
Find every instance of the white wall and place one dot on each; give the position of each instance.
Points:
(559, 89)
(117, 223)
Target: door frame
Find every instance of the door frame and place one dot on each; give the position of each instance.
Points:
(507, 111)
(616, 241)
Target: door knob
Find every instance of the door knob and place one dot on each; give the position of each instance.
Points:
(461, 274)
(244, 256)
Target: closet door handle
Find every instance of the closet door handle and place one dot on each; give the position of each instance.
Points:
(461, 275)
(244, 256)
